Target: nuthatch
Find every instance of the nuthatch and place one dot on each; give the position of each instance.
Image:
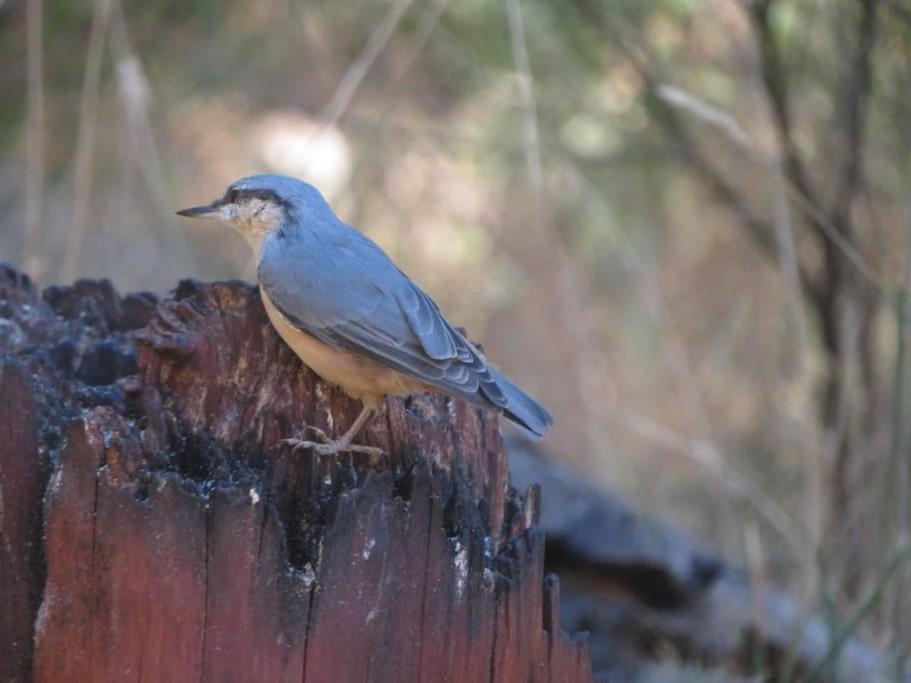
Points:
(344, 307)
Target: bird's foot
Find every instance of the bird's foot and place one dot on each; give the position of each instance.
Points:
(327, 446)
(320, 435)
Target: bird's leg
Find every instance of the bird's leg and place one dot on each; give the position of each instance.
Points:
(341, 444)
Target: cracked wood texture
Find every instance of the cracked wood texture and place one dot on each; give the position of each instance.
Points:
(151, 530)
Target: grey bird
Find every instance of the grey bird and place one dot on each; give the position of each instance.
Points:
(350, 314)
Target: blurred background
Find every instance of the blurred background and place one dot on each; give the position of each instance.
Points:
(683, 224)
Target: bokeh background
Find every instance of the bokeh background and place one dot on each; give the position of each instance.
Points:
(683, 224)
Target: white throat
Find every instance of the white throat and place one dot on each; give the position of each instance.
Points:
(255, 219)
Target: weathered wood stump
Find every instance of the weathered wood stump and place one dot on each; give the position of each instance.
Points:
(150, 530)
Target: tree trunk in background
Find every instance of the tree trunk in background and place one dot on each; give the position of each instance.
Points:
(150, 530)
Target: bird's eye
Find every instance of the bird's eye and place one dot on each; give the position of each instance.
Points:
(232, 196)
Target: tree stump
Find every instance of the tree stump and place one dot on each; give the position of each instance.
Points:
(150, 529)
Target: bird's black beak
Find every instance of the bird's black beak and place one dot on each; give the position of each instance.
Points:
(198, 211)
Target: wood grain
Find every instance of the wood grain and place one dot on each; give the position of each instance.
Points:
(180, 544)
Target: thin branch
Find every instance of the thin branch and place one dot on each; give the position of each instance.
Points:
(758, 228)
(715, 181)
(526, 93)
(425, 30)
(796, 182)
(85, 141)
(34, 143)
(705, 112)
(354, 76)
(136, 95)
(775, 80)
(896, 564)
(426, 27)
(834, 236)
(690, 152)
(787, 256)
(383, 119)
(832, 230)
(896, 522)
(856, 91)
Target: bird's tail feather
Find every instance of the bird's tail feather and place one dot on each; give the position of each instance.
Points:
(522, 409)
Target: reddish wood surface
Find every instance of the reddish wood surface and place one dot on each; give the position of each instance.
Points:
(181, 545)
(22, 481)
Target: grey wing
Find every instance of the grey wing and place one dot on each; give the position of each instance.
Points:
(440, 356)
(377, 312)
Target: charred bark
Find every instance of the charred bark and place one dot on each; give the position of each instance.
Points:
(149, 527)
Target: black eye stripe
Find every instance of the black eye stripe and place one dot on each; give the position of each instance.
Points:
(235, 195)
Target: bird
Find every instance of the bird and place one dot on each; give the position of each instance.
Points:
(351, 315)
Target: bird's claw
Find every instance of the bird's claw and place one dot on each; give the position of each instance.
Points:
(329, 447)
(320, 435)
(297, 443)
(372, 451)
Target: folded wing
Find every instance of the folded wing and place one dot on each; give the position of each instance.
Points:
(377, 312)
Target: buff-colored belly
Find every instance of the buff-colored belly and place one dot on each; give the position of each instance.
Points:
(359, 377)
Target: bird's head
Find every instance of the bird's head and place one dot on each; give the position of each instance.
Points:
(259, 205)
